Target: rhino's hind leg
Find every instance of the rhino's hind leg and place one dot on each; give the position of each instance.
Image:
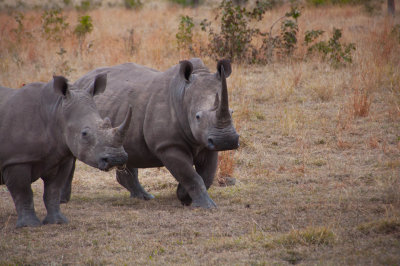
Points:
(128, 178)
(18, 181)
(206, 166)
(53, 183)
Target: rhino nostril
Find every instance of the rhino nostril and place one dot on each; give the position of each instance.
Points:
(104, 159)
(210, 142)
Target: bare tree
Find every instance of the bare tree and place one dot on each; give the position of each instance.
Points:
(391, 7)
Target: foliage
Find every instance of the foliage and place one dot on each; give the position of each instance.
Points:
(54, 24)
(185, 34)
(235, 36)
(311, 35)
(86, 5)
(84, 26)
(132, 4)
(186, 2)
(20, 31)
(338, 53)
(289, 29)
(284, 43)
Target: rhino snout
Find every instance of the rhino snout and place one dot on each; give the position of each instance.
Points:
(222, 143)
(108, 161)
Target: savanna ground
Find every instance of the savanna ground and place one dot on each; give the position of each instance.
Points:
(318, 170)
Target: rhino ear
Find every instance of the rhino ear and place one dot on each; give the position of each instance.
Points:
(99, 84)
(185, 69)
(226, 63)
(60, 85)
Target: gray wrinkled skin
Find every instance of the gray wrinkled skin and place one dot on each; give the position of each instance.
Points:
(181, 118)
(43, 127)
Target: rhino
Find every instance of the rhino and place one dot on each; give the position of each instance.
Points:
(43, 128)
(181, 117)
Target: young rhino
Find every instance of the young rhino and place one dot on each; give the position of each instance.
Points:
(43, 127)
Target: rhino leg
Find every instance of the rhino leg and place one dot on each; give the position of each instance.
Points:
(66, 190)
(128, 178)
(180, 165)
(18, 181)
(53, 183)
(206, 166)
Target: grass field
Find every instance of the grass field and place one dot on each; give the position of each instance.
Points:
(318, 169)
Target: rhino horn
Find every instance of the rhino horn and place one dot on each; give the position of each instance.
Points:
(223, 113)
(123, 128)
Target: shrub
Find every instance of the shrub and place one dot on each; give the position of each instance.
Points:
(132, 4)
(235, 36)
(285, 42)
(54, 24)
(86, 5)
(20, 31)
(185, 34)
(84, 27)
(338, 53)
(186, 2)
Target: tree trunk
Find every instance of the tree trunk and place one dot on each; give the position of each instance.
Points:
(391, 7)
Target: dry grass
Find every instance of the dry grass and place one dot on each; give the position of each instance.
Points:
(318, 167)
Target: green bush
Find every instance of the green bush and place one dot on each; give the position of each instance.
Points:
(132, 4)
(84, 26)
(186, 2)
(87, 5)
(235, 36)
(54, 24)
(285, 42)
(338, 53)
(185, 34)
(20, 31)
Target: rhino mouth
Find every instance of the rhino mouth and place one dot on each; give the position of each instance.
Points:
(106, 163)
(223, 143)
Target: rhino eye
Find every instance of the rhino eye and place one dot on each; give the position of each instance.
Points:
(84, 133)
(198, 116)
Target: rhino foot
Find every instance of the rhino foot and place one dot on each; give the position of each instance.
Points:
(65, 197)
(183, 196)
(143, 195)
(204, 202)
(57, 218)
(28, 221)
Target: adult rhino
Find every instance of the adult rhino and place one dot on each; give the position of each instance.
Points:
(181, 119)
(43, 127)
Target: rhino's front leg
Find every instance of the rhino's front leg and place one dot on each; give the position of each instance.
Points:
(66, 190)
(18, 181)
(128, 178)
(206, 164)
(180, 164)
(53, 183)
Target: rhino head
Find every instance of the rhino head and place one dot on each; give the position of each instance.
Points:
(207, 106)
(90, 138)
